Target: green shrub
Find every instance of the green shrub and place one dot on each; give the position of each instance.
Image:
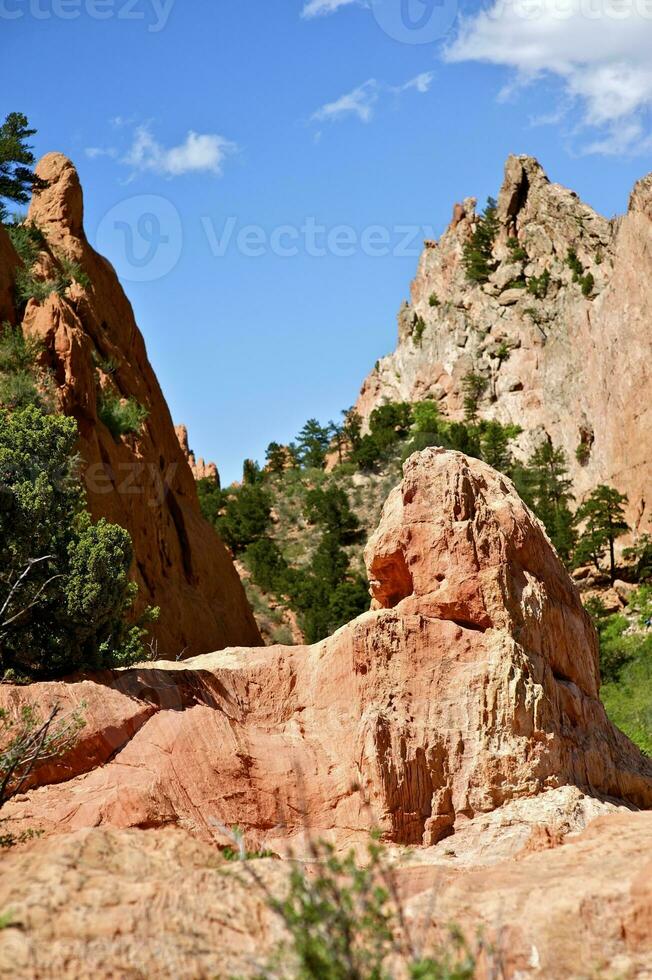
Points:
(19, 375)
(641, 554)
(516, 251)
(27, 239)
(538, 286)
(588, 284)
(120, 416)
(345, 922)
(418, 328)
(574, 264)
(433, 300)
(583, 453)
(64, 585)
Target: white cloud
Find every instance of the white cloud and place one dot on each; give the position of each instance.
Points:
(197, 153)
(362, 101)
(599, 49)
(421, 83)
(93, 152)
(320, 8)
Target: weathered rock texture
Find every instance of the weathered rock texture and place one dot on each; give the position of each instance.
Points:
(142, 480)
(199, 469)
(113, 903)
(472, 687)
(576, 368)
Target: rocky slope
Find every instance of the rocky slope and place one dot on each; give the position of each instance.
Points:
(574, 365)
(460, 716)
(142, 481)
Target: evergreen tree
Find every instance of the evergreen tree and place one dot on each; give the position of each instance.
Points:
(245, 517)
(352, 428)
(330, 509)
(494, 443)
(276, 458)
(312, 444)
(478, 251)
(474, 386)
(17, 178)
(251, 474)
(545, 486)
(603, 521)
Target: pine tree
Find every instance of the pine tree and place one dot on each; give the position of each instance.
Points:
(603, 518)
(474, 387)
(17, 178)
(276, 458)
(494, 443)
(545, 486)
(478, 251)
(312, 444)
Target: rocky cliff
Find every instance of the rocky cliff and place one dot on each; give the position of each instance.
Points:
(141, 480)
(573, 363)
(460, 716)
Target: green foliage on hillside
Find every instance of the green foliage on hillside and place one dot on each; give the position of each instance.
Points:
(626, 665)
(121, 416)
(22, 382)
(65, 594)
(478, 251)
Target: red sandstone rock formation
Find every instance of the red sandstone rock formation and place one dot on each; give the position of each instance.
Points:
(141, 481)
(472, 687)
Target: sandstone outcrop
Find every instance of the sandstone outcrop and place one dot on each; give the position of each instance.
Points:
(140, 480)
(473, 686)
(574, 364)
(199, 469)
(113, 903)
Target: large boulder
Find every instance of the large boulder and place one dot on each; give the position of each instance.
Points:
(473, 687)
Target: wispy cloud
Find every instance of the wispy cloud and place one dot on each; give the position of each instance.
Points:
(600, 54)
(421, 82)
(362, 101)
(93, 152)
(320, 8)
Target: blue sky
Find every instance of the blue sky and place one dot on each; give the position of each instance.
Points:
(190, 121)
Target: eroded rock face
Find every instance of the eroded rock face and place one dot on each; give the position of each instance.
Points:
(476, 689)
(142, 480)
(570, 366)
